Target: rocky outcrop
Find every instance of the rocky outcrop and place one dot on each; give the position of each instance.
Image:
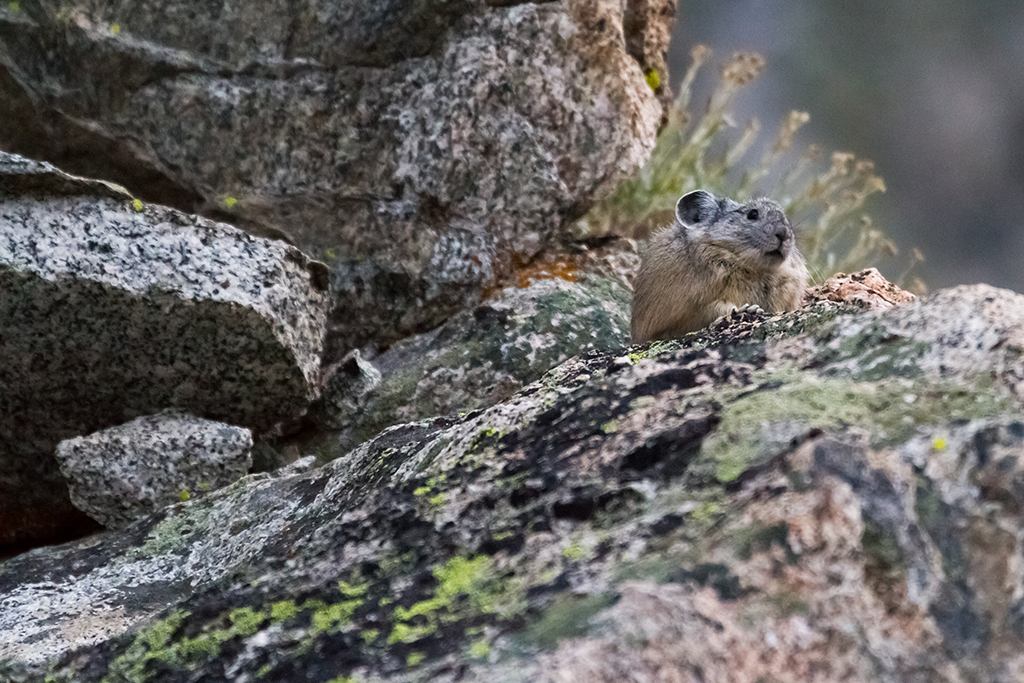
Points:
(421, 148)
(113, 309)
(119, 474)
(476, 359)
(826, 495)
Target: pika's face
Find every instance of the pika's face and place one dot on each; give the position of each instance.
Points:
(756, 233)
(764, 227)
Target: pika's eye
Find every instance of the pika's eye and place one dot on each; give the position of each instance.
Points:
(753, 215)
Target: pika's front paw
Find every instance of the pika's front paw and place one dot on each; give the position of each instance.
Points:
(744, 314)
(752, 309)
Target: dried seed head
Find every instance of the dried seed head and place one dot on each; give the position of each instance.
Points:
(793, 123)
(742, 68)
(699, 54)
(841, 163)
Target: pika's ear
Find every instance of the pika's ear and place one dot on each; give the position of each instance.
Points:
(698, 206)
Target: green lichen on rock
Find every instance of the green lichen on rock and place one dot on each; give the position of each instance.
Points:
(162, 642)
(335, 616)
(485, 438)
(344, 679)
(150, 643)
(465, 587)
(283, 610)
(786, 404)
(874, 353)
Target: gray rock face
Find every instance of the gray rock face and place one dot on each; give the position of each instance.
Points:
(119, 474)
(346, 387)
(977, 329)
(478, 357)
(800, 497)
(416, 145)
(113, 309)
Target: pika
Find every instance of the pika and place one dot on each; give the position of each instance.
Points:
(717, 256)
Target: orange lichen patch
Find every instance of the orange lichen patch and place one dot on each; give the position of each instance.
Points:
(866, 288)
(542, 267)
(565, 268)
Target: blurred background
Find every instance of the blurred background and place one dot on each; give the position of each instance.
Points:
(932, 92)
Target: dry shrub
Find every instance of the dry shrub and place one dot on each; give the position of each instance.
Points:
(825, 204)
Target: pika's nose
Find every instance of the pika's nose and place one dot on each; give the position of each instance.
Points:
(782, 234)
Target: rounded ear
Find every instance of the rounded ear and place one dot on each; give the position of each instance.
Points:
(699, 206)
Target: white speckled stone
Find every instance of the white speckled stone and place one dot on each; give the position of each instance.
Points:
(119, 474)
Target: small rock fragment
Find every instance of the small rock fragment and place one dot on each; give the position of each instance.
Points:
(866, 288)
(122, 473)
(346, 386)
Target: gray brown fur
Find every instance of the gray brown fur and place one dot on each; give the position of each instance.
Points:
(717, 256)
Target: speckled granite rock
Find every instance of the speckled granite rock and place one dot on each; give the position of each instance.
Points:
(347, 386)
(417, 146)
(119, 474)
(812, 500)
(866, 289)
(479, 357)
(113, 309)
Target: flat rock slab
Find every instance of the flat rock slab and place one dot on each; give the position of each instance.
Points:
(119, 474)
(113, 309)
